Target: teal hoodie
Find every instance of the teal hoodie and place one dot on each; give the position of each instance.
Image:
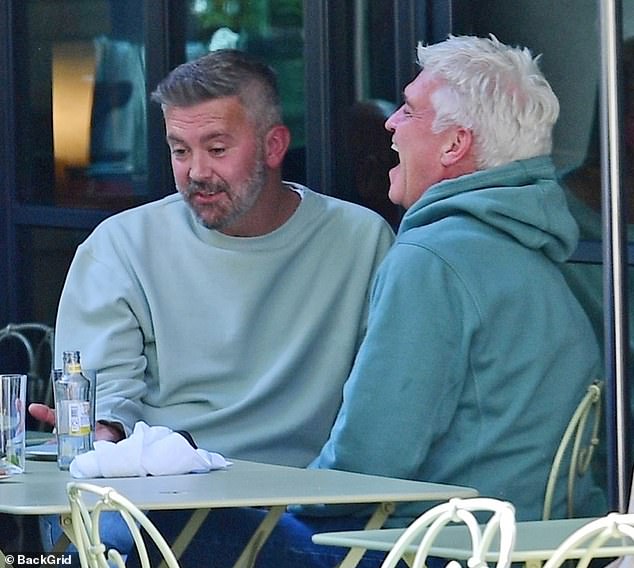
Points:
(476, 352)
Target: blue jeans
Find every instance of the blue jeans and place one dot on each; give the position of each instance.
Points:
(112, 528)
(224, 533)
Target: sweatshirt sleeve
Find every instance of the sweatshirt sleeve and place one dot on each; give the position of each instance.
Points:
(403, 390)
(100, 314)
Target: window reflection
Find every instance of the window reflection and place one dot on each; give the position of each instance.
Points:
(73, 71)
(368, 150)
(86, 87)
(370, 157)
(100, 131)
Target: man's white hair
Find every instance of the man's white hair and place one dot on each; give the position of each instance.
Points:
(495, 90)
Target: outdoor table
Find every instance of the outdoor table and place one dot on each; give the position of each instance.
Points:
(41, 490)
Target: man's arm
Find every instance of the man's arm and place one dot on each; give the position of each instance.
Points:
(98, 315)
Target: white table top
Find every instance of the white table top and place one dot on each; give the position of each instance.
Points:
(535, 540)
(42, 488)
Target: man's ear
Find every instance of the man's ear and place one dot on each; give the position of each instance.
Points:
(459, 145)
(276, 144)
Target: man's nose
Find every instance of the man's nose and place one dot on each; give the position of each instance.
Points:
(200, 167)
(390, 123)
(392, 120)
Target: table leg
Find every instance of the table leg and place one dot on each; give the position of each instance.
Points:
(187, 533)
(66, 538)
(376, 521)
(251, 549)
(256, 542)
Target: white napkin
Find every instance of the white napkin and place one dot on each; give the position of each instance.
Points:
(149, 450)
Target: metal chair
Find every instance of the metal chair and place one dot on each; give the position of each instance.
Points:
(85, 527)
(585, 543)
(431, 523)
(580, 456)
(579, 443)
(35, 348)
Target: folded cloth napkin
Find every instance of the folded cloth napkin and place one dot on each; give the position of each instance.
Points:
(149, 450)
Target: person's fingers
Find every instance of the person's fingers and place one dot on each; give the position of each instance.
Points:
(42, 413)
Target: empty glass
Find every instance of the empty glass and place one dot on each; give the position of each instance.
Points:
(12, 424)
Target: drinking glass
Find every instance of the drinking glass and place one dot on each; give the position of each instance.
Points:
(12, 424)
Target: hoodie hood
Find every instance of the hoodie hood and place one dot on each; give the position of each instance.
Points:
(521, 199)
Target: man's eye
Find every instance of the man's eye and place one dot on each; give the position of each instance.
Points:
(178, 151)
(217, 151)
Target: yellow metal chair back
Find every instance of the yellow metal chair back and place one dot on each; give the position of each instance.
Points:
(34, 342)
(590, 537)
(85, 513)
(580, 455)
(431, 523)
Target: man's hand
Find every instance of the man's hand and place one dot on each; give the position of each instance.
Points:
(110, 431)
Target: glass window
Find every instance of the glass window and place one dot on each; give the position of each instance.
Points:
(369, 145)
(50, 251)
(82, 88)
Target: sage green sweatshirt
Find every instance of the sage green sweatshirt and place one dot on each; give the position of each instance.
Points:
(243, 342)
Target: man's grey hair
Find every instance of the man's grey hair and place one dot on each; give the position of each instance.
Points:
(225, 73)
(495, 90)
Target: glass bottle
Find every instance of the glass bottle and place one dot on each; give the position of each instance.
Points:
(72, 391)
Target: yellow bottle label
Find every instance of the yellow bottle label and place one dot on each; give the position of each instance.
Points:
(78, 418)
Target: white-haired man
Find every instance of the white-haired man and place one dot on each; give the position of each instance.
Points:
(476, 348)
